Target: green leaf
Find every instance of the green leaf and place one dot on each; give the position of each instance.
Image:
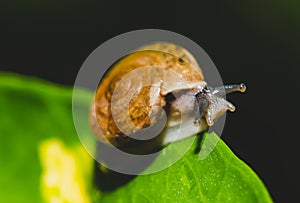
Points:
(36, 117)
(221, 177)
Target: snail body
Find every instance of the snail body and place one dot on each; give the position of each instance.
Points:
(136, 93)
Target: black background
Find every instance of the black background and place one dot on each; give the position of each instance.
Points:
(254, 42)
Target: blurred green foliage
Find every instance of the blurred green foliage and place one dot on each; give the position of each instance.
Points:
(32, 112)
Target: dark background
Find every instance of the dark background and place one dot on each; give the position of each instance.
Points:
(254, 42)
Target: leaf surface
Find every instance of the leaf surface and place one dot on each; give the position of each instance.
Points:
(34, 111)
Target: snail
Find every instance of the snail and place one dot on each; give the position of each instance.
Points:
(137, 93)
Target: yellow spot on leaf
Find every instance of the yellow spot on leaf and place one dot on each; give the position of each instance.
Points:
(65, 173)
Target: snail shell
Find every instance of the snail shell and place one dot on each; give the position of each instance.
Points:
(133, 95)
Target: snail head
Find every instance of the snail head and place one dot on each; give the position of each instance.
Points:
(210, 103)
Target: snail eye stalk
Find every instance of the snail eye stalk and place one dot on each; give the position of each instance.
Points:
(227, 89)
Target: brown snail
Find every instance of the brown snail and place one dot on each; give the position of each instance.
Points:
(135, 95)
